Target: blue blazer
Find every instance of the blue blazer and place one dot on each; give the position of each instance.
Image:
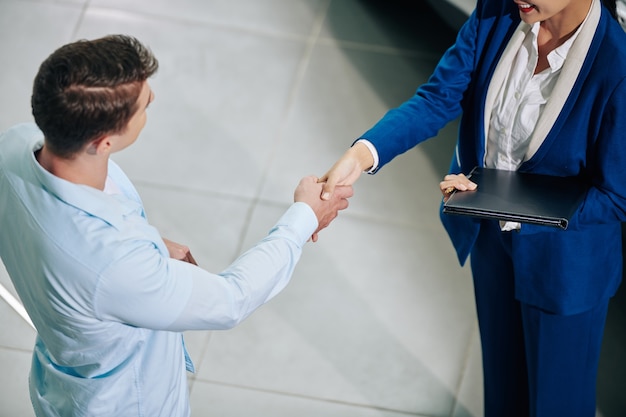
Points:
(565, 272)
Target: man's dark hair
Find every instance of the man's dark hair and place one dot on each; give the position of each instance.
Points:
(88, 89)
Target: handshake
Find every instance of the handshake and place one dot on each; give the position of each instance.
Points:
(309, 191)
(329, 194)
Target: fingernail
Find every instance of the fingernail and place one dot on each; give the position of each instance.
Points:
(325, 196)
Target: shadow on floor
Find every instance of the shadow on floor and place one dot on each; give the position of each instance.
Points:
(612, 372)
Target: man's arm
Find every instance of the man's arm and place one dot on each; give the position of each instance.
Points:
(147, 290)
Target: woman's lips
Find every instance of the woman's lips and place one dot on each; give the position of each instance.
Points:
(525, 7)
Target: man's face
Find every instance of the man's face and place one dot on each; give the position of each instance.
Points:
(137, 121)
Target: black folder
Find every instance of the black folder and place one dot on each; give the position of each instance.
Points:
(519, 197)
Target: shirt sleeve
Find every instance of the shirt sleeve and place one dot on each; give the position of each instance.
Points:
(374, 153)
(146, 289)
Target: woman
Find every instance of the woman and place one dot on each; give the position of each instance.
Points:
(541, 88)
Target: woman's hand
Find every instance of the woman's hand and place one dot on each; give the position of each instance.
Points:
(347, 169)
(453, 182)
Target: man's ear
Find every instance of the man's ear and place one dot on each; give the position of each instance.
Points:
(99, 146)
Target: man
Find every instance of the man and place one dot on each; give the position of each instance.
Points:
(108, 295)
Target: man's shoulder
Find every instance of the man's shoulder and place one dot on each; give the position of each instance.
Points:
(24, 130)
(19, 138)
(16, 144)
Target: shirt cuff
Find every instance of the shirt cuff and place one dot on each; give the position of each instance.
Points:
(509, 226)
(374, 153)
(301, 220)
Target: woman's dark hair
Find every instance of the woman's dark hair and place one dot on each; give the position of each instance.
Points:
(612, 6)
(88, 89)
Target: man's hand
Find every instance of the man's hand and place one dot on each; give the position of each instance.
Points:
(309, 191)
(180, 252)
(347, 169)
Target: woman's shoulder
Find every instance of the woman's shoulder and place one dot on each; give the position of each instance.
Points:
(610, 45)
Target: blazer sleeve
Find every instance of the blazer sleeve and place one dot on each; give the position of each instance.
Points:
(606, 199)
(434, 104)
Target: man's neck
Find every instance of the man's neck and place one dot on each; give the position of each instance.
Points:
(83, 168)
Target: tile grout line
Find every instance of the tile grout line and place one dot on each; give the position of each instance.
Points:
(81, 18)
(303, 66)
(301, 69)
(199, 363)
(466, 363)
(318, 38)
(15, 305)
(312, 398)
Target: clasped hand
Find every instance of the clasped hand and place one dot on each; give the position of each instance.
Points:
(309, 191)
(179, 251)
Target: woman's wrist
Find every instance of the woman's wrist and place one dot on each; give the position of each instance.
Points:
(361, 152)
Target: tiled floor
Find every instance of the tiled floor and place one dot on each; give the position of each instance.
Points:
(252, 95)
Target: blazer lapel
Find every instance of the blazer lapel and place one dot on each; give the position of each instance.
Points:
(502, 71)
(565, 84)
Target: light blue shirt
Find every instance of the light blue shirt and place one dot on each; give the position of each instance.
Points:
(108, 302)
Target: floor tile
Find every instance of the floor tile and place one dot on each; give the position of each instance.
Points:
(17, 333)
(342, 94)
(394, 23)
(210, 400)
(281, 17)
(470, 397)
(5, 280)
(14, 397)
(346, 323)
(29, 32)
(220, 95)
(612, 370)
(211, 225)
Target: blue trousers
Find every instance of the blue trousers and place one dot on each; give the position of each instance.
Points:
(535, 363)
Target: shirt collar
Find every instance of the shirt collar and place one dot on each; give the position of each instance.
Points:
(556, 58)
(110, 208)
